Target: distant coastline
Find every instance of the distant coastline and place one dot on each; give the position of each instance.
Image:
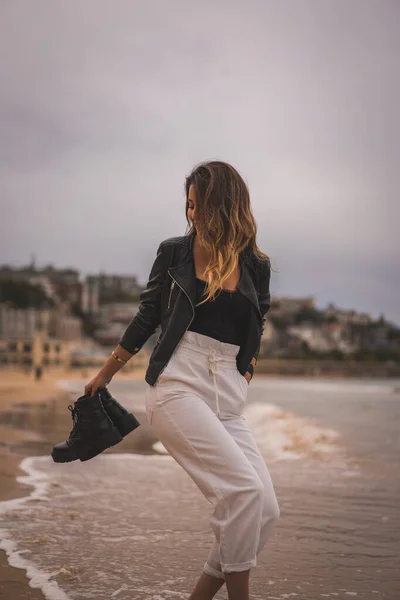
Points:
(327, 367)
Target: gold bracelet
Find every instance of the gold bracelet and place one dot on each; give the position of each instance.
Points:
(118, 358)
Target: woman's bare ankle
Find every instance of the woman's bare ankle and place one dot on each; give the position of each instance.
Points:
(206, 587)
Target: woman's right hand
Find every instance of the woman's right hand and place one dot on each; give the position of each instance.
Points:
(99, 381)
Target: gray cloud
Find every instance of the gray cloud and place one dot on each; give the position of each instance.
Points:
(105, 107)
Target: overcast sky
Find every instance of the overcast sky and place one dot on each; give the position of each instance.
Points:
(105, 107)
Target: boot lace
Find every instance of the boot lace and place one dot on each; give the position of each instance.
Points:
(74, 415)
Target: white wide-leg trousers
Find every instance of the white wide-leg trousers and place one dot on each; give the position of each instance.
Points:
(195, 409)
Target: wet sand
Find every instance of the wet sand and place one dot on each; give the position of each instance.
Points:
(338, 536)
(14, 585)
(15, 388)
(33, 417)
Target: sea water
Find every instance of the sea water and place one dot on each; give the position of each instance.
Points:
(135, 527)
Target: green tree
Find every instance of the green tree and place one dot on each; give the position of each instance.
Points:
(22, 294)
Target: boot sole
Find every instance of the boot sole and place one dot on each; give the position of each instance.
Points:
(99, 444)
(89, 450)
(127, 424)
(64, 457)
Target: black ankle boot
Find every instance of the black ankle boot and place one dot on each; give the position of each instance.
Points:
(93, 431)
(124, 421)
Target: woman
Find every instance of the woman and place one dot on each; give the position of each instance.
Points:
(209, 291)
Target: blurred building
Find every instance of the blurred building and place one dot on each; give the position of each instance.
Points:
(58, 284)
(90, 298)
(347, 316)
(324, 337)
(106, 289)
(33, 337)
(287, 306)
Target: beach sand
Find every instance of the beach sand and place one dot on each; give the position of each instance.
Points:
(332, 449)
(20, 438)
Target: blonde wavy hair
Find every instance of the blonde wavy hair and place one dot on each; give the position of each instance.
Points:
(224, 221)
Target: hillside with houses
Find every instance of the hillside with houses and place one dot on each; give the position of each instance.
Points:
(53, 317)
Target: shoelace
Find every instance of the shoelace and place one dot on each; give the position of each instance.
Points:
(74, 415)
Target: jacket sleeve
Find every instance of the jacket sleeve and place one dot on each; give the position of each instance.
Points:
(264, 297)
(148, 317)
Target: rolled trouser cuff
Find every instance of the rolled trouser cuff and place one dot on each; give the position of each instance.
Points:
(233, 568)
(210, 571)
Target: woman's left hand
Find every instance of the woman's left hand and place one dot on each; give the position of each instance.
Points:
(247, 376)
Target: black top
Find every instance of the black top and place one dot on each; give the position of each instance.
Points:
(225, 318)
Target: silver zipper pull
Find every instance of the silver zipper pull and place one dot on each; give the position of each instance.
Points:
(170, 293)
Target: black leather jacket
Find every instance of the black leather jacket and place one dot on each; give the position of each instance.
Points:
(169, 298)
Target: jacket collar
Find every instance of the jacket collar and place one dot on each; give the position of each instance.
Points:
(185, 275)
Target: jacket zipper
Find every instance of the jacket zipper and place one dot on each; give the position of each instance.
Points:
(184, 291)
(191, 304)
(170, 293)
